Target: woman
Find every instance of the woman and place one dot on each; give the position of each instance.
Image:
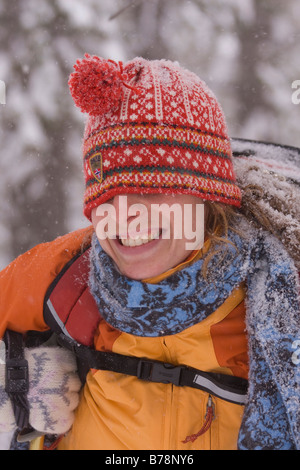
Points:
(225, 308)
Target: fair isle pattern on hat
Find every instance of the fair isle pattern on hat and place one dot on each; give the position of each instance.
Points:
(163, 133)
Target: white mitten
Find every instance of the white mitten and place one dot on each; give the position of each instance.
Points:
(53, 391)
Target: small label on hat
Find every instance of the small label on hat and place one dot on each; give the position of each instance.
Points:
(95, 163)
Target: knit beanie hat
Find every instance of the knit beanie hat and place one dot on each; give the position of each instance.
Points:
(152, 127)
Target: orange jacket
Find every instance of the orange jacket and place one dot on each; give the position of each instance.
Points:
(121, 412)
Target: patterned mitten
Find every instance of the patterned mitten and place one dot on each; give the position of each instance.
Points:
(53, 391)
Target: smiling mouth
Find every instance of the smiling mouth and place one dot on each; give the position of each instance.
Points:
(139, 240)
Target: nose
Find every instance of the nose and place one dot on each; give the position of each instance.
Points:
(129, 206)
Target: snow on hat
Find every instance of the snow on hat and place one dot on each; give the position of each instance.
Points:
(152, 127)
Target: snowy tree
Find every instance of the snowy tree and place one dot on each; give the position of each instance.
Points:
(40, 128)
(246, 51)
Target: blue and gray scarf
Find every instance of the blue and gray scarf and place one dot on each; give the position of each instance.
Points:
(272, 414)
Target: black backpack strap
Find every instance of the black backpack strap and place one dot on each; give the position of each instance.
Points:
(227, 387)
(16, 380)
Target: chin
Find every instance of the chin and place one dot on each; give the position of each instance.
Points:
(140, 274)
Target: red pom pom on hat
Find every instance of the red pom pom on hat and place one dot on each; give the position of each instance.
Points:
(97, 85)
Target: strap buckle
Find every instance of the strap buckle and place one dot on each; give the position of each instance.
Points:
(159, 372)
(16, 376)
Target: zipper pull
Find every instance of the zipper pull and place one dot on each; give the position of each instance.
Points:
(209, 416)
(210, 407)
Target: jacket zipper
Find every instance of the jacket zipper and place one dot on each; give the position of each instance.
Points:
(208, 419)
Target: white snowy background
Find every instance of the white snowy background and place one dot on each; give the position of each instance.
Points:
(247, 51)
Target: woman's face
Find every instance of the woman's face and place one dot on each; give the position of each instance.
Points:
(146, 235)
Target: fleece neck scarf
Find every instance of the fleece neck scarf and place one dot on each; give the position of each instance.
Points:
(186, 298)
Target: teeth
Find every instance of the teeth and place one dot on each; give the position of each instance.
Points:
(142, 240)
